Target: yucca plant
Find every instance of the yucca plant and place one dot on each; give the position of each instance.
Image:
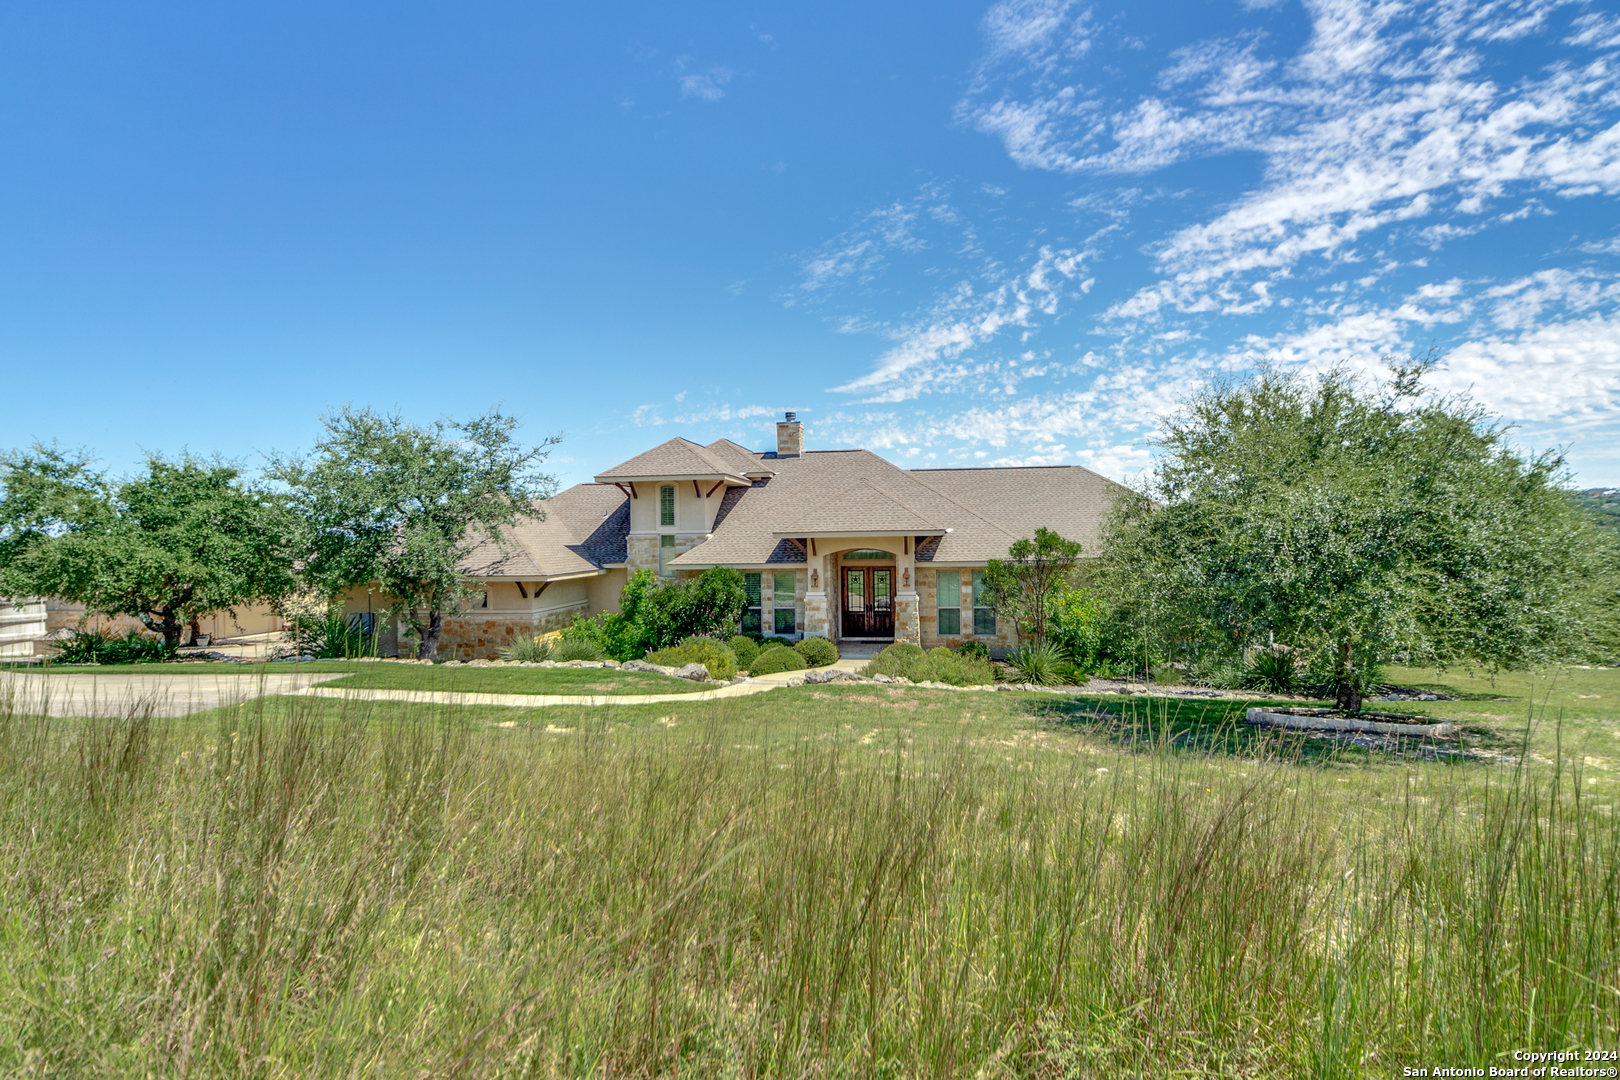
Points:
(576, 648)
(1272, 671)
(1040, 664)
(527, 651)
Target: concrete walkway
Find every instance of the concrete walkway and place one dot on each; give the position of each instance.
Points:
(115, 693)
(756, 685)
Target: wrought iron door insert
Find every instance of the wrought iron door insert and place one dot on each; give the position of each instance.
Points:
(868, 602)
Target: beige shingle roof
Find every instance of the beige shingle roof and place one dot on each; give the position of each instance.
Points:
(860, 507)
(583, 529)
(1067, 499)
(985, 510)
(748, 462)
(675, 458)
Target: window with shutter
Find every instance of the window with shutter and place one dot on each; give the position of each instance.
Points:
(666, 507)
(751, 621)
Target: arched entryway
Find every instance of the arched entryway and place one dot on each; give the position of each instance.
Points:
(866, 588)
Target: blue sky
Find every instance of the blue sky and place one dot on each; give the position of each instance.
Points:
(953, 233)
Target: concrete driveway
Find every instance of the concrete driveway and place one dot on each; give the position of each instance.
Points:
(166, 693)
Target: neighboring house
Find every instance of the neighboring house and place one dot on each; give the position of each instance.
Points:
(27, 630)
(837, 543)
(22, 624)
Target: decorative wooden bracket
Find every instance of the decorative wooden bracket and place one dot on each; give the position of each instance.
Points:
(812, 545)
(717, 486)
(697, 490)
(521, 591)
(631, 491)
(544, 585)
(906, 540)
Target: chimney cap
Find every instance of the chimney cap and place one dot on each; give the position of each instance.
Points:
(791, 417)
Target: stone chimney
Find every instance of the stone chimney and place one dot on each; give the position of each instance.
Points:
(789, 437)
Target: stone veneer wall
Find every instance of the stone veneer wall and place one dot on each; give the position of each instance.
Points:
(482, 636)
(641, 552)
(928, 591)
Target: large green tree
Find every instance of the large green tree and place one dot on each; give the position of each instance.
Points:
(1358, 523)
(386, 502)
(185, 537)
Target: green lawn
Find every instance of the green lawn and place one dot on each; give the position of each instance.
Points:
(456, 678)
(819, 881)
(514, 680)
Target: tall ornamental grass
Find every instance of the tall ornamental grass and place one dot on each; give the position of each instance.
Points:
(306, 888)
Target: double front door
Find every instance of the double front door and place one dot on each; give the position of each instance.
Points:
(868, 602)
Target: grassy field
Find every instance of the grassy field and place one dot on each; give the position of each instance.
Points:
(821, 881)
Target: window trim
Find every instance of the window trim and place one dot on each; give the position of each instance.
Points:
(666, 543)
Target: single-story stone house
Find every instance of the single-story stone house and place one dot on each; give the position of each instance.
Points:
(837, 543)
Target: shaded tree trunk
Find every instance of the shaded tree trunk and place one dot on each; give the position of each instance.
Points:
(1347, 683)
(429, 649)
(196, 630)
(170, 628)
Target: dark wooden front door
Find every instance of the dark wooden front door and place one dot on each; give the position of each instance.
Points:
(868, 602)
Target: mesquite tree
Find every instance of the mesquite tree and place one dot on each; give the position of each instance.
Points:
(1357, 523)
(401, 507)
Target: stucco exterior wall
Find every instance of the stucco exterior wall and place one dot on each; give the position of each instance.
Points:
(602, 592)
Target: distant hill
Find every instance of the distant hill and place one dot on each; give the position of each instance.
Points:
(1602, 503)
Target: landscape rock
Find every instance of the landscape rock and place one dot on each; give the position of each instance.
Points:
(651, 669)
(883, 678)
(694, 671)
(828, 675)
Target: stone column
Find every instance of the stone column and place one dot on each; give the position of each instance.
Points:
(908, 617)
(817, 615)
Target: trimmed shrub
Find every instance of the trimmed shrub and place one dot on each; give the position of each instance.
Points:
(527, 651)
(746, 649)
(716, 656)
(782, 641)
(576, 648)
(775, 658)
(1039, 664)
(905, 660)
(817, 651)
(974, 649)
(95, 647)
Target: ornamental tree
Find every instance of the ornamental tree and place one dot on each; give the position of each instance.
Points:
(401, 506)
(1022, 586)
(1357, 523)
(185, 537)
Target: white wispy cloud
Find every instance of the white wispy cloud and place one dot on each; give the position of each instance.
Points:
(1387, 116)
(705, 85)
(1399, 132)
